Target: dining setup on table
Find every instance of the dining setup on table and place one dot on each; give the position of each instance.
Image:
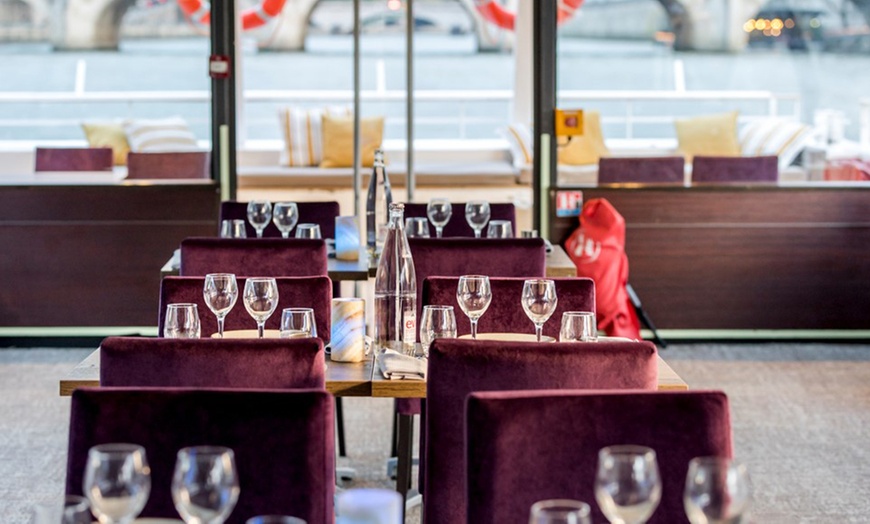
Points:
(528, 414)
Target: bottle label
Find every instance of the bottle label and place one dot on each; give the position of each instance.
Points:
(409, 324)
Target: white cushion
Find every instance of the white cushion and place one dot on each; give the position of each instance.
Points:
(158, 135)
(775, 136)
(303, 135)
(519, 138)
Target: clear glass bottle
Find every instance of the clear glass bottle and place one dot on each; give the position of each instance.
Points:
(396, 290)
(378, 203)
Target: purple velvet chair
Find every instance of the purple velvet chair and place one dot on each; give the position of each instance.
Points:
(262, 257)
(526, 446)
(505, 313)
(665, 169)
(322, 213)
(175, 165)
(212, 363)
(73, 159)
(313, 292)
(457, 226)
(735, 169)
(283, 443)
(459, 367)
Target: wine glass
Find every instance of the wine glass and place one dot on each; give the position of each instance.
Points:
(220, 293)
(477, 214)
(182, 321)
(259, 215)
(285, 215)
(437, 322)
(627, 485)
(473, 295)
(578, 326)
(205, 485)
(558, 511)
(71, 510)
(718, 491)
(416, 227)
(439, 211)
(117, 482)
(298, 322)
(499, 229)
(261, 300)
(539, 302)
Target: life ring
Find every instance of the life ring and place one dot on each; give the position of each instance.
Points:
(494, 12)
(199, 11)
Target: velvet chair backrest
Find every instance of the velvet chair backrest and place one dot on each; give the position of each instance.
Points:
(212, 363)
(534, 445)
(253, 257)
(735, 169)
(322, 213)
(174, 165)
(313, 292)
(459, 367)
(665, 169)
(282, 440)
(457, 226)
(73, 159)
(505, 313)
(494, 257)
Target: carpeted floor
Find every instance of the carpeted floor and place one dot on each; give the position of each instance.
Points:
(800, 412)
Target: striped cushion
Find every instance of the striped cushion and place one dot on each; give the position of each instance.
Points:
(159, 135)
(775, 136)
(303, 135)
(519, 138)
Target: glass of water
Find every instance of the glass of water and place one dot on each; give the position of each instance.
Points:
(417, 227)
(259, 215)
(233, 229)
(71, 510)
(627, 485)
(117, 482)
(182, 321)
(437, 322)
(285, 215)
(298, 322)
(578, 326)
(308, 231)
(439, 211)
(560, 511)
(477, 215)
(205, 485)
(499, 229)
(717, 490)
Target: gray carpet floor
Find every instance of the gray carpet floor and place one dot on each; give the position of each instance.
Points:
(800, 413)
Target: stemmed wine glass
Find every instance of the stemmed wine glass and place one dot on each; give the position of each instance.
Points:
(718, 491)
(627, 485)
(261, 300)
(259, 215)
(285, 215)
(220, 293)
(473, 295)
(539, 302)
(558, 511)
(477, 214)
(439, 211)
(437, 322)
(205, 485)
(117, 482)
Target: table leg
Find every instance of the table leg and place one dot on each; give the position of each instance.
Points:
(405, 449)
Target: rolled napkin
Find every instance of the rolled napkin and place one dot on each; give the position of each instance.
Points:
(396, 366)
(347, 340)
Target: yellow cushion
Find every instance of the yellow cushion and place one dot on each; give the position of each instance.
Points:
(588, 147)
(709, 135)
(108, 134)
(338, 140)
(302, 134)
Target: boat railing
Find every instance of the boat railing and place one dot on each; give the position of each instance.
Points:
(439, 114)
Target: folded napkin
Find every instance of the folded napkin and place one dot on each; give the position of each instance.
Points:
(396, 366)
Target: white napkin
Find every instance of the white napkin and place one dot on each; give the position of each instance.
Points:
(396, 366)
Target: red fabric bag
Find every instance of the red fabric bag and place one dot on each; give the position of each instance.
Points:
(597, 247)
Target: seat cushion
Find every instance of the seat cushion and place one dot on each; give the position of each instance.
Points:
(711, 135)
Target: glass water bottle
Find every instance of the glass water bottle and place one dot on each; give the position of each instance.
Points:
(378, 203)
(396, 290)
